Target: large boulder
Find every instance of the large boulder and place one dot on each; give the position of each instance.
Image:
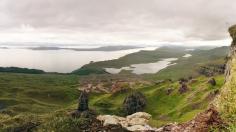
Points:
(140, 115)
(110, 120)
(169, 91)
(135, 122)
(140, 128)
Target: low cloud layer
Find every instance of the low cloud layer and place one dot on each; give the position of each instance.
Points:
(115, 21)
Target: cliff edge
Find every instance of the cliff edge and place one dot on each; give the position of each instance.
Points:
(226, 101)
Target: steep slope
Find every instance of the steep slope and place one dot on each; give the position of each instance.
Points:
(227, 98)
(221, 115)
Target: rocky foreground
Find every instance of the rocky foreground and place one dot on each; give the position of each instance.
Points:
(139, 122)
(135, 122)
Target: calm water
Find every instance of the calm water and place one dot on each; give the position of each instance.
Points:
(63, 61)
(145, 68)
(187, 55)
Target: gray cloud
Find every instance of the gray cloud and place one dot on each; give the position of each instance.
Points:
(130, 20)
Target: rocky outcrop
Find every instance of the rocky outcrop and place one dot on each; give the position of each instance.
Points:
(83, 101)
(226, 100)
(92, 124)
(201, 123)
(135, 102)
(135, 122)
(231, 55)
(212, 81)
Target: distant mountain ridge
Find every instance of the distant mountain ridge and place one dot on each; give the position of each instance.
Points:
(20, 70)
(184, 66)
(103, 48)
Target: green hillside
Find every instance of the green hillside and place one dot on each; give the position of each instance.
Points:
(185, 66)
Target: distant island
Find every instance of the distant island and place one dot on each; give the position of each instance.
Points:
(21, 70)
(103, 48)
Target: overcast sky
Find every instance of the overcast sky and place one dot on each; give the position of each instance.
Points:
(117, 21)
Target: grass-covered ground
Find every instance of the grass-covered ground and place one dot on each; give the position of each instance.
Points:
(164, 108)
(36, 93)
(41, 98)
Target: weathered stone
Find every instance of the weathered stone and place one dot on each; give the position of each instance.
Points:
(140, 128)
(140, 115)
(83, 102)
(212, 81)
(110, 120)
(201, 123)
(135, 122)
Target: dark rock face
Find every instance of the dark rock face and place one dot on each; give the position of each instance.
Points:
(183, 88)
(83, 102)
(212, 81)
(133, 103)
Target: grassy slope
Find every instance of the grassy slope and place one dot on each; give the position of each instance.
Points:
(26, 98)
(36, 93)
(164, 108)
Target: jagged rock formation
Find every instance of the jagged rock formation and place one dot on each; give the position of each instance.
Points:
(226, 100)
(139, 122)
(211, 70)
(135, 102)
(83, 101)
